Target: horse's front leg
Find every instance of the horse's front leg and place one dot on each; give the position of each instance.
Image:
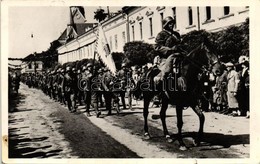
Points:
(201, 116)
(147, 99)
(165, 102)
(179, 112)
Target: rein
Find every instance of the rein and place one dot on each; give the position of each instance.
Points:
(197, 64)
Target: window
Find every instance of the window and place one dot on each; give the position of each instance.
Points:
(174, 15)
(208, 13)
(190, 16)
(151, 26)
(133, 32)
(226, 10)
(116, 42)
(123, 36)
(37, 65)
(161, 19)
(30, 66)
(141, 30)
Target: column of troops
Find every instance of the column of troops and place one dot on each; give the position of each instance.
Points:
(88, 86)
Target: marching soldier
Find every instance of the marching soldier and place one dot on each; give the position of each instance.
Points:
(69, 88)
(107, 84)
(90, 96)
(80, 93)
(125, 76)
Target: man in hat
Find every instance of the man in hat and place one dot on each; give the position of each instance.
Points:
(167, 42)
(232, 88)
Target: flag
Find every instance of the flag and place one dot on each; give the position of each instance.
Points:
(103, 51)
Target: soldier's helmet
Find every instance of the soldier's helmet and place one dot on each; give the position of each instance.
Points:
(84, 68)
(79, 71)
(100, 70)
(89, 65)
(167, 20)
(68, 68)
(73, 69)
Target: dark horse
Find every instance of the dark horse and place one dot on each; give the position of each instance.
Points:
(193, 64)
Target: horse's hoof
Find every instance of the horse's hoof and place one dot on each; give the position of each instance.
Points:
(183, 148)
(146, 136)
(169, 139)
(196, 143)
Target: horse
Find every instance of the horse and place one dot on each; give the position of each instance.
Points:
(199, 60)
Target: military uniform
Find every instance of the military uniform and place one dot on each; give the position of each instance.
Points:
(107, 84)
(69, 89)
(167, 42)
(90, 96)
(125, 76)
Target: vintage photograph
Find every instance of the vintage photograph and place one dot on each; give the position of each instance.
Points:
(128, 82)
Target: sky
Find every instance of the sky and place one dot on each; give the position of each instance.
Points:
(45, 23)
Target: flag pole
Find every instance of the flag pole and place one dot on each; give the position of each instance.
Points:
(93, 63)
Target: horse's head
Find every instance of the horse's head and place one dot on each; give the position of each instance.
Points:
(213, 63)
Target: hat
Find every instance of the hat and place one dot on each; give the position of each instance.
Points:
(229, 64)
(167, 20)
(78, 71)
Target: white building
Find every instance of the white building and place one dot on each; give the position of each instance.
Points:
(32, 67)
(144, 23)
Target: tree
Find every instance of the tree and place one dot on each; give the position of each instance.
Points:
(137, 53)
(100, 15)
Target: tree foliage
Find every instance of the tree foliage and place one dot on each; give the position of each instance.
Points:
(137, 53)
(100, 15)
(228, 44)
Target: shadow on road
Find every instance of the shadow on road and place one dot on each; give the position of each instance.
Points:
(14, 100)
(218, 139)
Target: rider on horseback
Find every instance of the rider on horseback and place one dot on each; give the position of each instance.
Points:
(167, 42)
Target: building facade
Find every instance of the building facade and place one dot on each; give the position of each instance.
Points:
(33, 67)
(145, 22)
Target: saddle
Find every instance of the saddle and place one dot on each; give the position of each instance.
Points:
(178, 81)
